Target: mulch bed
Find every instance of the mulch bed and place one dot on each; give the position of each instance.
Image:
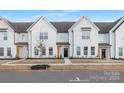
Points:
(40, 61)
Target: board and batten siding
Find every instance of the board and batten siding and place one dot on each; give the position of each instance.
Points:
(33, 36)
(103, 38)
(9, 42)
(75, 39)
(119, 36)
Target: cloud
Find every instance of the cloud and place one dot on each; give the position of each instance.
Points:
(71, 11)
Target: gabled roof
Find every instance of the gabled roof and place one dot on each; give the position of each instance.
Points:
(62, 27)
(105, 27)
(82, 18)
(21, 27)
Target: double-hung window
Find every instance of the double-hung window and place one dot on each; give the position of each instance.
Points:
(85, 50)
(86, 32)
(50, 51)
(120, 51)
(43, 51)
(9, 51)
(1, 51)
(78, 51)
(43, 35)
(92, 50)
(5, 35)
(36, 51)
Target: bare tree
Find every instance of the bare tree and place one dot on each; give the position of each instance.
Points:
(41, 46)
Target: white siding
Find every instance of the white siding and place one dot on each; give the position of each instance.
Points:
(62, 37)
(103, 38)
(21, 37)
(9, 42)
(78, 41)
(42, 26)
(119, 39)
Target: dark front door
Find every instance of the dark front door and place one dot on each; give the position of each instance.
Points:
(65, 52)
(103, 53)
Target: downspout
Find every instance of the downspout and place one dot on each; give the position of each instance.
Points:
(114, 44)
(109, 47)
(72, 43)
(30, 44)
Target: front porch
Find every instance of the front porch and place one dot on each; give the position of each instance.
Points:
(104, 51)
(62, 49)
(21, 50)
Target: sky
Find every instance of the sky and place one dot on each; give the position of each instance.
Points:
(62, 15)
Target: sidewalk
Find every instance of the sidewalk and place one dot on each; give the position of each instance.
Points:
(78, 64)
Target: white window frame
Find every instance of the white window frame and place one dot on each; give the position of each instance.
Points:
(1, 54)
(120, 51)
(5, 34)
(78, 51)
(92, 50)
(51, 51)
(43, 35)
(44, 51)
(85, 51)
(9, 51)
(36, 51)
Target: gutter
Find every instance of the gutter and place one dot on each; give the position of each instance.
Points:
(72, 43)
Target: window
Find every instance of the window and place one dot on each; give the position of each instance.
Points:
(120, 51)
(50, 51)
(78, 51)
(85, 34)
(85, 50)
(9, 51)
(5, 36)
(43, 35)
(1, 51)
(92, 50)
(43, 51)
(36, 51)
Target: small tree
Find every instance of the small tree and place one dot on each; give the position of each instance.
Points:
(41, 46)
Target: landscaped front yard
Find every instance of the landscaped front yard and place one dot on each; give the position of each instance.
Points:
(40, 61)
(58, 65)
(96, 61)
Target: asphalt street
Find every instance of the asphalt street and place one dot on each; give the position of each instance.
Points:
(61, 77)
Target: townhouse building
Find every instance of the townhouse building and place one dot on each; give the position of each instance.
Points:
(44, 39)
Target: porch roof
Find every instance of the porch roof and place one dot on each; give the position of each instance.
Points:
(104, 44)
(21, 43)
(62, 43)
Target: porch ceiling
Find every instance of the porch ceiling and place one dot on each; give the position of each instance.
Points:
(104, 45)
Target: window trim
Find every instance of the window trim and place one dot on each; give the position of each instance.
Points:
(120, 52)
(93, 51)
(43, 52)
(50, 51)
(78, 50)
(43, 35)
(86, 51)
(36, 51)
(5, 35)
(9, 54)
(86, 35)
(2, 51)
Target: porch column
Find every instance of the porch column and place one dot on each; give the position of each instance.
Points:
(58, 51)
(17, 51)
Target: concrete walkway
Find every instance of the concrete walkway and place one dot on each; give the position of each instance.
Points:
(67, 61)
(13, 61)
